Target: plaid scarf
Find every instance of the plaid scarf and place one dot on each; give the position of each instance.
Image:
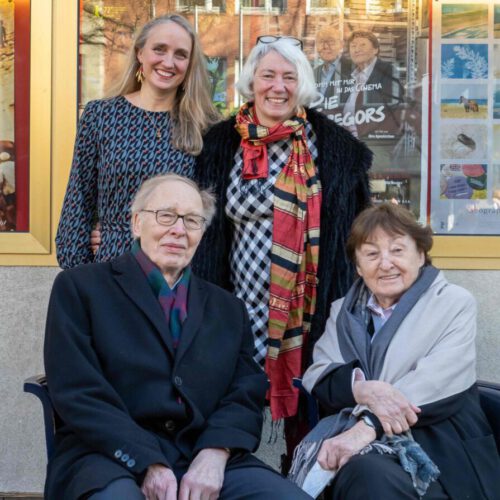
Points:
(173, 301)
(294, 252)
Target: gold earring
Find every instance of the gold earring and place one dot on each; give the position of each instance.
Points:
(139, 74)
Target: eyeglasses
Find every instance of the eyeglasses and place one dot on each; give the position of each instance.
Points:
(329, 44)
(274, 38)
(167, 218)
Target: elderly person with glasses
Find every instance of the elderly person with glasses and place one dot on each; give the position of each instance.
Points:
(395, 373)
(150, 369)
(290, 183)
(372, 108)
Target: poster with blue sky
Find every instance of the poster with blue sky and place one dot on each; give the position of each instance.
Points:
(464, 60)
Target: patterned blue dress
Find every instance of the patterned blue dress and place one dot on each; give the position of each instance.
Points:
(116, 149)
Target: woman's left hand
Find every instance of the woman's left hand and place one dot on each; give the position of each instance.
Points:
(335, 452)
(204, 478)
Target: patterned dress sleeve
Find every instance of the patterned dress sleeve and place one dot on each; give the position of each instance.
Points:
(79, 207)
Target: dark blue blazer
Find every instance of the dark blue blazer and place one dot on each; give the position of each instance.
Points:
(126, 399)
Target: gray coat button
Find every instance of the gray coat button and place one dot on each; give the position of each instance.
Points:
(124, 458)
(118, 453)
(131, 463)
(178, 381)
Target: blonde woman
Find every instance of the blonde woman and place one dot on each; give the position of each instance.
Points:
(154, 124)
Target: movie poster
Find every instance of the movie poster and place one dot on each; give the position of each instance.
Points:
(7, 156)
(368, 67)
(358, 73)
(465, 183)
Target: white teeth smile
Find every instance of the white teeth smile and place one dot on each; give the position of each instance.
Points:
(164, 73)
(277, 100)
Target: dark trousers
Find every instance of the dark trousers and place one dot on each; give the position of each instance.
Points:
(243, 483)
(374, 476)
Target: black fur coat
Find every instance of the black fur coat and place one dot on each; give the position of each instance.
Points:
(342, 163)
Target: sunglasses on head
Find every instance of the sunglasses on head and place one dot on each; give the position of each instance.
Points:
(274, 38)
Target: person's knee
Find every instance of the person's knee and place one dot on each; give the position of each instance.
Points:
(368, 477)
(123, 488)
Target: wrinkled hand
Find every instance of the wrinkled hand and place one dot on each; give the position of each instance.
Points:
(395, 412)
(204, 478)
(336, 451)
(95, 238)
(159, 484)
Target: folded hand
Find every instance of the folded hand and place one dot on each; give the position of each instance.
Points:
(159, 484)
(205, 476)
(395, 412)
(336, 451)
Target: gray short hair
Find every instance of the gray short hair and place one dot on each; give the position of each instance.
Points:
(306, 86)
(147, 188)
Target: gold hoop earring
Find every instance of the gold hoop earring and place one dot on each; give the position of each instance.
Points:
(139, 74)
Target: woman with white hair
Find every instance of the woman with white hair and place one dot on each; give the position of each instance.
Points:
(289, 183)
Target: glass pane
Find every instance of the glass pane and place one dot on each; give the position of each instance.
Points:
(324, 4)
(465, 183)
(211, 5)
(14, 114)
(383, 106)
(253, 3)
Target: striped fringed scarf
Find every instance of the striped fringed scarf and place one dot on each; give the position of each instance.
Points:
(294, 253)
(173, 301)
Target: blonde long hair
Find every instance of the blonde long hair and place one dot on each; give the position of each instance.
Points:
(193, 112)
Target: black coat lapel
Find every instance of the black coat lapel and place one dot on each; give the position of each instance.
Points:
(197, 297)
(133, 282)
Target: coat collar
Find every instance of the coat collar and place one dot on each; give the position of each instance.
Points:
(133, 282)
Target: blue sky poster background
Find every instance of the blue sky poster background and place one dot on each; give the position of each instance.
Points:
(464, 60)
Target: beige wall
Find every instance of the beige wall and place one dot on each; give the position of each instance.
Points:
(23, 297)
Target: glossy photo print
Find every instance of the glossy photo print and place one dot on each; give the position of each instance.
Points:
(464, 61)
(464, 141)
(464, 20)
(463, 182)
(464, 101)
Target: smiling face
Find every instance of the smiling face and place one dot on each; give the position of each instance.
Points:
(165, 57)
(171, 248)
(275, 87)
(389, 264)
(329, 45)
(362, 52)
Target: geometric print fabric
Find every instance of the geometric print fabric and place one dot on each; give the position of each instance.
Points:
(116, 149)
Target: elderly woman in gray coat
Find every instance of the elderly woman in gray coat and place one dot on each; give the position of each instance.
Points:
(395, 370)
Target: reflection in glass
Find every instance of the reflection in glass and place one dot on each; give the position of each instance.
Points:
(385, 102)
(216, 6)
(7, 132)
